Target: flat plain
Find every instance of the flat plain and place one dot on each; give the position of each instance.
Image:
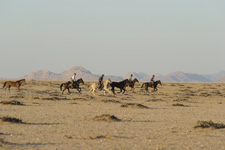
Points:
(40, 117)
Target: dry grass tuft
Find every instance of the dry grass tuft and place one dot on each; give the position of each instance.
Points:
(178, 104)
(11, 120)
(13, 102)
(54, 98)
(133, 105)
(17, 96)
(209, 124)
(110, 101)
(2, 142)
(103, 137)
(106, 117)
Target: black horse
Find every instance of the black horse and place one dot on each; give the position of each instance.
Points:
(152, 85)
(121, 85)
(72, 85)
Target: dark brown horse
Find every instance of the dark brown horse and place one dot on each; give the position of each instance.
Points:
(72, 85)
(151, 84)
(132, 83)
(17, 84)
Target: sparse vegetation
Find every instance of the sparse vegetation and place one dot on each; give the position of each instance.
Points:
(162, 119)
(209, 124)
(13, 102)
(133, 105)
(11, 120)
(106, 117)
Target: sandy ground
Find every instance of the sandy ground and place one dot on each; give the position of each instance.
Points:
(63, 122)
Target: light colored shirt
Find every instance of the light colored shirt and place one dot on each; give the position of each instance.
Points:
(130, 78)
(74, 77)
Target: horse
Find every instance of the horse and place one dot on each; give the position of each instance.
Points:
(17, 84)
(105, 85)
(121, 85)
(72, 85)
(152, 85)
(132, 83)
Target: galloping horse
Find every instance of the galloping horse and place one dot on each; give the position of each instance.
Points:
(152, 85)
(132, 83)
(17, 84)
(71, 85)
(121, 85)
(105, 85)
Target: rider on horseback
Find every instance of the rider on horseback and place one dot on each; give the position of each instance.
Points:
(73, 79)
(152, 79)
(100, 80)
(130, 79)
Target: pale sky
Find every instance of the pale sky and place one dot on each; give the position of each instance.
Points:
(113, 37)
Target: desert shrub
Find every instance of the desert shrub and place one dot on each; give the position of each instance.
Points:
(106, 117)
(209, 124)
(13, 102)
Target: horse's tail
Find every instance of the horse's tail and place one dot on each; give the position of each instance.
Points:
(142, 85)
(61, 87)
(4, 84)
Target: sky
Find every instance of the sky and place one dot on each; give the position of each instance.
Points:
(113, 37)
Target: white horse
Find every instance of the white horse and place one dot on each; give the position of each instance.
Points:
(105, 85)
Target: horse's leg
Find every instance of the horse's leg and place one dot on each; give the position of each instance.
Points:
(113, 90)
(124, 90)
(107, 90)
(146, 89)
(63, 90)
(5, 88)
(78, 89)
(9, 87)
(18, 88)
(93, 92)
(68, 89)
(90, 90)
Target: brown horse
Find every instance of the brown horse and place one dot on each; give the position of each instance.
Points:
(17, 84)
(74, 85)
(151, 84)
(132, 83)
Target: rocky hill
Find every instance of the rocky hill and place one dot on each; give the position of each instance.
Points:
(184, 77)
(88, 76)
(216, 77)
(80, 71)
(222, 80)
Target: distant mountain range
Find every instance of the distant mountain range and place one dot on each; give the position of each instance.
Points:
(87, 75)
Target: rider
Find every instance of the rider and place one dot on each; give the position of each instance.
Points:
(152, 79)
(130, 79)
(100, 82)
(73, 78)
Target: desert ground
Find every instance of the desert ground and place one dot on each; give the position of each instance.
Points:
(40, 117)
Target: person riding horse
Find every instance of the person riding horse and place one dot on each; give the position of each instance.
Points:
(100, 80)
(73, 78)
(130, 79)
(152, 79)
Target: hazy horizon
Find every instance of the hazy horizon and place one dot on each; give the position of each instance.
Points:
(112, 37)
